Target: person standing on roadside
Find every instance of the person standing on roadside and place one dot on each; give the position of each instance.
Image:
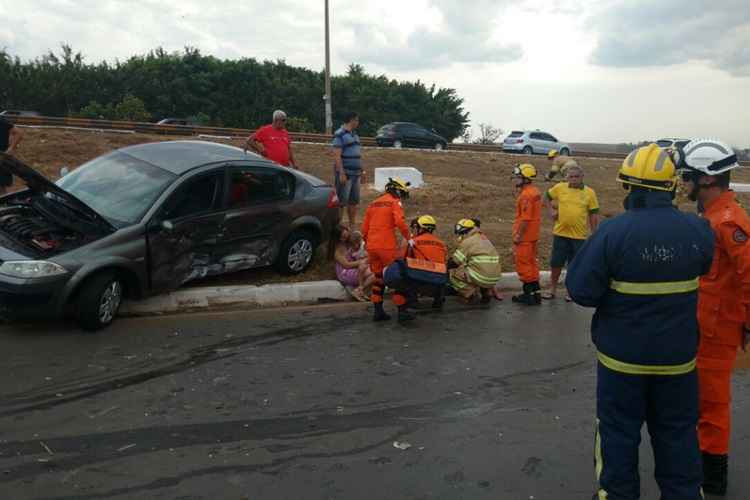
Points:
(347, 166)
(526, 228)
(560, 164)
(723, 299)
(273, 142)
(575, 213)
(641, 270)
(10, 138)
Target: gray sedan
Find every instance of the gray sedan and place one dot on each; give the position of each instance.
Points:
(145, 219)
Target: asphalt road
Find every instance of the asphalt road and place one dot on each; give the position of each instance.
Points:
(307, 403)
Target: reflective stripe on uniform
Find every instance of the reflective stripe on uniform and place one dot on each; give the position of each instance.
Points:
(658, 288)
(599, 461)
(481, 279)
(456, 283)
(633, 369)
(459, 257)
(485, 259)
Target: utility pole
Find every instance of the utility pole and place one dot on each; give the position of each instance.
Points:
(327, 96)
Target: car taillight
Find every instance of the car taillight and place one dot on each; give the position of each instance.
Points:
(519, 141)
(333, 200)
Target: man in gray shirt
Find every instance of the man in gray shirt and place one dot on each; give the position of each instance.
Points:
(347, 166)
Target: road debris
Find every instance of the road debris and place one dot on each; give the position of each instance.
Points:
(126, 447)
(401, 445)
(46, 447)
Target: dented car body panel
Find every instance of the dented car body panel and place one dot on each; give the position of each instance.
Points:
(210, 209)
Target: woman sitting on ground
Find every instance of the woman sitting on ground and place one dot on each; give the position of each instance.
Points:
(352, 272)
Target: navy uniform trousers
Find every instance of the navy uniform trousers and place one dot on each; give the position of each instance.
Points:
(668, 404)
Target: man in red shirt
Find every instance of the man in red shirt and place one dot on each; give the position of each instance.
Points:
(272, 141)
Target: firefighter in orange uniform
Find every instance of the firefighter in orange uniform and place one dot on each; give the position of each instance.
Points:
(723, 299)
(384, 215)
(526, 234)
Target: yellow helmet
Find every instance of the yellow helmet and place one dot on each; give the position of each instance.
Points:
(552, 153)
(398, 187)
(649, 167)
(426, 222)
(464, 226)
(525, 170)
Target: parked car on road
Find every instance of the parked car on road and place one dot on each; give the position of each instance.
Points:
(534, 142)
(146, 219)
(175, 121)
(409, 135)
(18, 112)
(669, 143)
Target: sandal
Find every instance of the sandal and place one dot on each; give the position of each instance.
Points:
(359, 295)
(548, 296)
(568, 298)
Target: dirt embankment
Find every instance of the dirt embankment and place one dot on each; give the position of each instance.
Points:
(458, 185)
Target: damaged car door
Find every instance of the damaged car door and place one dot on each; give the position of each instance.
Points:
(259, 199)
(183, 236)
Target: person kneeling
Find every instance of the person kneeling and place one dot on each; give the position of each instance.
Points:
(475, 265)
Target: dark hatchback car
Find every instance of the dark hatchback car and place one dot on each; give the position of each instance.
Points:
(146, 219)
(409, 135)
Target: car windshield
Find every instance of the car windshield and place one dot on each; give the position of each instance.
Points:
(385, 128)
(664, 143)
(117, 186)
(516, 133)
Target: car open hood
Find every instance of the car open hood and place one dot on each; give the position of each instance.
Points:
(40, 184)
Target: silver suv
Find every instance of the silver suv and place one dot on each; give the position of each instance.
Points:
(534, 142)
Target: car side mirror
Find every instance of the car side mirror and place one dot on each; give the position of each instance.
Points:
(64, 171)
(167, 225)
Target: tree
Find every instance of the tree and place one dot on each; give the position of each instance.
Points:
(488, 134)
(233, 93)
(132, 109)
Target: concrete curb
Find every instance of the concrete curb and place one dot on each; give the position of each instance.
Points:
(309, 292)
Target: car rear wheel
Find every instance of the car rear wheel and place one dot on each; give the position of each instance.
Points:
(439, 146)
(398, 144)
(99, 301)
(297, 252)
(565, 152)
(528, 150)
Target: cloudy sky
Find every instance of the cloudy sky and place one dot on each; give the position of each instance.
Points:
(586, 70)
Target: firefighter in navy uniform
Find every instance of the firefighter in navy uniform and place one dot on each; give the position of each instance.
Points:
(640, 271)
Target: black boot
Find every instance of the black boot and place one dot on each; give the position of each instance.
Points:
(438, 300)
(525, 297)
(449, 291)
(536, 294)
(486, 296)
(380, 314)
(404, 316)
(715, 469)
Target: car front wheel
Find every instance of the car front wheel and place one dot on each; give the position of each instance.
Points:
(439, 146)
(297, 252)
(528, 151)
(565, 152)
(398, 144)
(99, 301)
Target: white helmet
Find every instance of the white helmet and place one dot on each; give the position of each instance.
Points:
(706, 156)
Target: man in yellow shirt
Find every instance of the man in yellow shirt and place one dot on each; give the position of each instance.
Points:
(574, 208)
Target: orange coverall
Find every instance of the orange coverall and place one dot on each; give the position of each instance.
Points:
(723, 308)
(382, 218)
(529, 209)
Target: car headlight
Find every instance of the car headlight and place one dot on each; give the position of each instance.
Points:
(31, 269)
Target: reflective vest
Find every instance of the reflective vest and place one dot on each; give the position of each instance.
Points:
(640, 271)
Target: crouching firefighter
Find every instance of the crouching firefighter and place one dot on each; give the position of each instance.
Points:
(475, 265)
(640, 271)
(422, 271)
(383, 217)
(723, 299)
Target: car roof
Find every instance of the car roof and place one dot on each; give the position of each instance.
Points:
(179, 157)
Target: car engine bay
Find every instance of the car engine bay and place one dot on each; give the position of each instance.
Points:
(29, 228)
